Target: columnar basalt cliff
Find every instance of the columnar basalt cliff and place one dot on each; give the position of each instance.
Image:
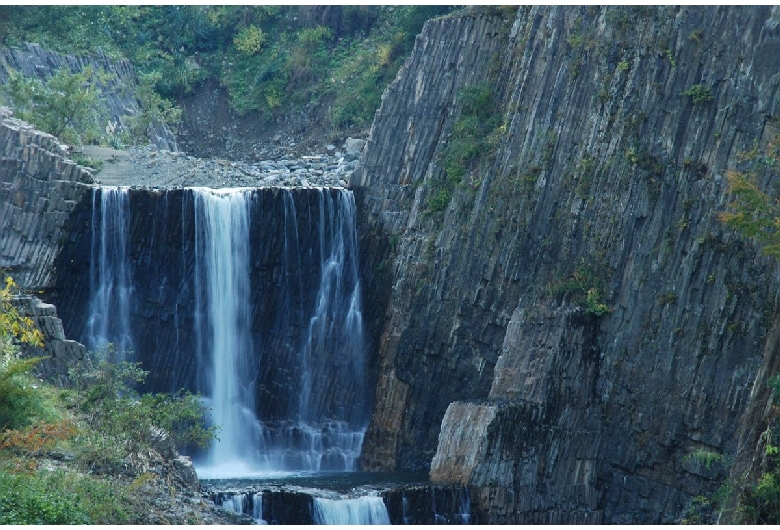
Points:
(40, 188)
(585, 319)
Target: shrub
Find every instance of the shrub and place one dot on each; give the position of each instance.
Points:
(106, 396)
(20, 404)
(699, 93)
(60, 497)
(67, 105)
(584, 288)
(249, 40)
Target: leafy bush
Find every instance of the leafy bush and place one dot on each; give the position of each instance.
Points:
(699, 93)
(106, 396)
(249, 40)
(20, 404)
(36, 499)
(66, 105)
(60, 497)
(584, 288)
(154, 109)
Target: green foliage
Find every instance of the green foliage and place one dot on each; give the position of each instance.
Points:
(107, 398)
(697, 511)
(584, 288)
(774, 383)
(249, 40)
(699, 93)
(759, 502)
(20, 404)
(753, 213)
(705, 458)
(438, 200)
(37, 499)
(154, 109)
(60, 497)
(67, 105)
(696, 35)
(474, 138)
(593, 304)
(12, 324)
(86, 161)
(271, 59)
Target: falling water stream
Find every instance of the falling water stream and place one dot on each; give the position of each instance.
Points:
(222, 265)
(110, 277)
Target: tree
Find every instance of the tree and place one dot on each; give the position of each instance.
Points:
(66, 105)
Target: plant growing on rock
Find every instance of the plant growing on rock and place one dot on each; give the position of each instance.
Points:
(67, 105)
(584, 288)
(474, 137)
(753, 213)
(106, 397)
(20, 404)
(699, 93)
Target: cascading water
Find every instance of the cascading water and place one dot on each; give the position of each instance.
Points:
(110, 278)
(328, 429)
(247, 503)
(361, 510)
(258, 297)
(324, 424)
(222, 268)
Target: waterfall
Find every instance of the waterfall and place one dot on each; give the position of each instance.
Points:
(361, 510)
(110, 278)
(337, 320)
(246, 503)
(327, 409)
(259, 306)
(222, 270)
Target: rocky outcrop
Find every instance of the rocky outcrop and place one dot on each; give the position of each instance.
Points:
(587, 322)
(117, 85)
(59, 353)
(39, 187)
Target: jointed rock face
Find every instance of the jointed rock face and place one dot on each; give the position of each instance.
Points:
(607, 170)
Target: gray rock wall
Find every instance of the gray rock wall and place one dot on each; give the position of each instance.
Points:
(39, 187)
(606, 171)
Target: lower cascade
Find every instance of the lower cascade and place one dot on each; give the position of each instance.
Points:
(263, 289)
(361, 510)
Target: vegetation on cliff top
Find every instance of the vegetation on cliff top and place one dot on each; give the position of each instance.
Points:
(271, 59)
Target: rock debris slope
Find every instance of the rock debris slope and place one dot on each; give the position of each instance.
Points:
(586, 321)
